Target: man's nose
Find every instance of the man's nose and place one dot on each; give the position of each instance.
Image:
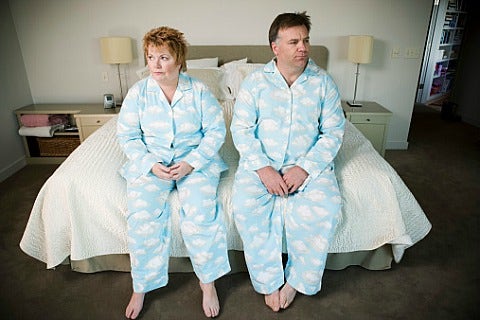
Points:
(302, 46)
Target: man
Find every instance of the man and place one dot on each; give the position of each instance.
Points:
(288, 126)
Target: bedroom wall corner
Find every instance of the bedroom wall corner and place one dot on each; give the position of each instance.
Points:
(6, 172)
(14, 93)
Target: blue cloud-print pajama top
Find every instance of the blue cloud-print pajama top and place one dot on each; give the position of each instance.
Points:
(281, 126)
(191, 129)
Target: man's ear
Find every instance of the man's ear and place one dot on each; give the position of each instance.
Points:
(274, 47)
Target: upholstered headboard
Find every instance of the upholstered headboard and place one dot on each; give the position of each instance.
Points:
(254, 53)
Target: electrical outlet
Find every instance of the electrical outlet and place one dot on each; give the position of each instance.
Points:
(412, 53)
(396, 53)
(105, 76)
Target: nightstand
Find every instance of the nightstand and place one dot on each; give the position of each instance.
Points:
(372, 120)
(89, 121)
(53, 150)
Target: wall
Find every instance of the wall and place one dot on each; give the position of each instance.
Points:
(59, 41)
(14, 93)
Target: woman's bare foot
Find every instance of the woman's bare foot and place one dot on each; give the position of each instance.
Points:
(287, 294)
(135, 305)
(273, 300)
(210, 303)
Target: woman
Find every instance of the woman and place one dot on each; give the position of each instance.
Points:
(170, 128)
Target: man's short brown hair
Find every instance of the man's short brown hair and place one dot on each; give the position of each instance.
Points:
(288, 20)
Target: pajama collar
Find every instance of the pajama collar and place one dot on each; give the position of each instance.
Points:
(310, 70)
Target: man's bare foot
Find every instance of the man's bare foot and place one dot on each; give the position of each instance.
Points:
(135, 305)
(273, 300)
(210, 303)
(287, 294)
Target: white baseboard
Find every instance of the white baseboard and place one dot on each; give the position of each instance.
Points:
(396, 145)
(12, 168)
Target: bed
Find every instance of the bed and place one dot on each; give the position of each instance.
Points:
(78, 217)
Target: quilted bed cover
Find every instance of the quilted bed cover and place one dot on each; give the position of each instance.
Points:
(80, 210)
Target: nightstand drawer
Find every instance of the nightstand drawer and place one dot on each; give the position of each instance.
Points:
(369, 118)
(89, 123)
(95, 121)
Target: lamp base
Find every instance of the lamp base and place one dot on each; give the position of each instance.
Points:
(354, 103)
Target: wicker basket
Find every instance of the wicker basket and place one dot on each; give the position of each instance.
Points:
(57, 146)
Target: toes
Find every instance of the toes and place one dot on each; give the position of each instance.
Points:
(287, 295)
(273, 301)
(207, 312)
(211, 312)
(131, 314)
(214, 312)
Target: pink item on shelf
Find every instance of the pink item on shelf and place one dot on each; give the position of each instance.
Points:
(43, 120)
(35, 120)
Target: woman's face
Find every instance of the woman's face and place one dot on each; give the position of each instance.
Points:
(162, 65)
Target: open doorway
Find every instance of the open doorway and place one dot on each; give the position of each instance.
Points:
(442, 48)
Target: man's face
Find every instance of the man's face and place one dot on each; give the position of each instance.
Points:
(292, 47)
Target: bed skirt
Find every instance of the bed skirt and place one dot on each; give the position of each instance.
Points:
(378, 259)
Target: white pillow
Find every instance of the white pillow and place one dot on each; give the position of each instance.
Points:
(231, 64)
(230, 69)
(236, 73)
(213, 78)
(202, 63)
(248, 68)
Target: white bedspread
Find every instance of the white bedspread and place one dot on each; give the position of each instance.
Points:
(79, 212)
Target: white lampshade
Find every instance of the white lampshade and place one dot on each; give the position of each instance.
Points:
(116, 50)
(360, 49)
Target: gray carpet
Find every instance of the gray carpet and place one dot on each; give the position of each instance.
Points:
(438, 278)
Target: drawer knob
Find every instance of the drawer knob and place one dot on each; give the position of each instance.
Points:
(368, 119)
(98, 121)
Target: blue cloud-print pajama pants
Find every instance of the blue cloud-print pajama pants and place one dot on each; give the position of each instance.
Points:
(149, 228)
(308, 217)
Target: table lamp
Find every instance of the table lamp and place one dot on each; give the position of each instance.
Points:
(360, 49)
(116, 50)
